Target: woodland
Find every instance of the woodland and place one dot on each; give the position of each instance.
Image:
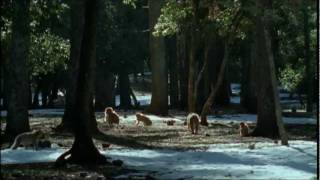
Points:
(159, 89)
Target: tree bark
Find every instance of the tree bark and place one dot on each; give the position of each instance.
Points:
(214, 88)
(269, 120)
(183, 68)
(194, 33)
(104, 89)
(17, 77)
(173, 71)
(309, 70)
(77, 23)
(124, 89)
(249, 80)
(159, 99)
(83, 150)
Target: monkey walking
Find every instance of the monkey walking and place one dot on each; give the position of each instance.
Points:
(111, 116)
(28, 138)
(193, 121)
(244, 129)
(144, 119)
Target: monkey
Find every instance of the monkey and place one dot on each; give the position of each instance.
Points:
(170, 122)
(111, 116)
(193, 121)
(244, 129)
(141, 117)
(28, 138)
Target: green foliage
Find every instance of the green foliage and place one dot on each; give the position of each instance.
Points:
(290, 78)
(173, 16)
(53, 15)
(47, 54)
(132, 3)
(121, 42)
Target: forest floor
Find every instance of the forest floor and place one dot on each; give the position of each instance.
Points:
(159, 136)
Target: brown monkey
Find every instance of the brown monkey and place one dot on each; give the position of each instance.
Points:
(142, 117)
(111, 117)
(244, 129)
(28, 138)
(193, 121)
(170, 122)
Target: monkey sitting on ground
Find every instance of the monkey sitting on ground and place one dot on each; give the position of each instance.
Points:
(28, 138)
(170, 122)
(193, 121)
(111, 117)
(244, 129)
(143, 118)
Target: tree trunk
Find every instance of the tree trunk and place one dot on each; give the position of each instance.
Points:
(214, 88)
(183, 68)
(269, 120)
(249, 81)
(124, 89)
(214, 54)
(35, 101)
(309, 70)
(83, 150)
(173, 71)
(17, 77)
(77, 23)
(194, 33)
(223, 93)
(104, 89)
(159, 99)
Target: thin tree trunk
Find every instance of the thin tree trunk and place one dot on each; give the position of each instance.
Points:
(83, 150)
(173, 71)
(249, 80)
(214, 88)
(35, 102)
(124, 89)
(183, 68)
(135, 101)
(104, 89)
(309, 72)
(17, 77)
(194, 33)
(159, 99)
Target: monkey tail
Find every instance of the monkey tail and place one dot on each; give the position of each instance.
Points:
(15, 143)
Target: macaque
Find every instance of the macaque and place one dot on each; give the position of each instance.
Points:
(244, 129)
(143, 118)
(193, 121)
(110, 116)
(28, 138)
(170, 122)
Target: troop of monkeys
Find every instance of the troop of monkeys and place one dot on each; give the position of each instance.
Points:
(112, 117)
(193, 121)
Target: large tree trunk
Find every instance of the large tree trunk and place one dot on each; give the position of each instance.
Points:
(83, 150)
(269, 120)
(77, 23)
(17, 77)
(159, 99)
